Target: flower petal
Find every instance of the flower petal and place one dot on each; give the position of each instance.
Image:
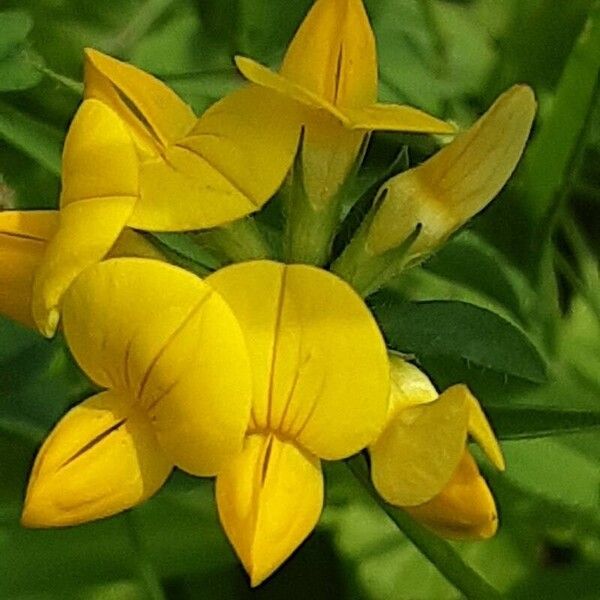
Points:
(269, 499)
(101, 458)
(419, 449)
(457, 182)
(395, 117)
(87, 231)
(100, 182)
(262, 76)
(319, 363)
(333, 54)
(99, 158)
(141, 100)
(410, 386)
(210, 177)
(481, 431)
(173, 344)
(23, 239)
(329, 152)
(464, 509)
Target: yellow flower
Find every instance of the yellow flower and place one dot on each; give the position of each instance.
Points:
(421, 461)
(136, 156)
(439, 196)
(457, 182)
(330, 69)
(321, 385)
(23, 239)
(24, 236)
(171, 359)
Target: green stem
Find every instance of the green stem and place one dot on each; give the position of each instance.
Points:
(367, 272)
(137, 27)
(238, 241)
(439, 552)
(145, 568)
(75, 87)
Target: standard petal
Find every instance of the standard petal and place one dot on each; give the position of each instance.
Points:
(419, 449)
(333, 54)
(137, 96)
(394, 117)
(319, 363)
(23, 239)
(269, 500)
(457, 182)
(464, 509)
(166, 338)
(101, 458)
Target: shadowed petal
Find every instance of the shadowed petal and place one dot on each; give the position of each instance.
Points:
(23, 239)
(464, 509)
(100, 459)
(269, 499)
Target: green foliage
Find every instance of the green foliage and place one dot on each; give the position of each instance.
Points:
(18, 70)
(458, 329)
(521, 284)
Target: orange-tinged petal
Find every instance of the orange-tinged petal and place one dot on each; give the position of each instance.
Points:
(173, 345)
(395, 117)
(23, 239)
(269, 500)
(319, 363)
(333, 54)
(100, 185)
(140, 96)
(457, 182)
(102, 458)
(419, 449)
(464, 509)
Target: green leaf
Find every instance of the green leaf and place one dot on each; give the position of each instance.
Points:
(38, 140)
(439, 552)
(521, 422)
(17, 68)
(458, 329)
(470, 261)
(549, 167)
(183, 251)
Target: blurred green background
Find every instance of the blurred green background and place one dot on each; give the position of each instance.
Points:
(532, 258)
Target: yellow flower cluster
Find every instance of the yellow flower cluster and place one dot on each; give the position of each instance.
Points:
(262, 369)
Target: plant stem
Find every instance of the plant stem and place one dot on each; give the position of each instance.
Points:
(439, 552)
